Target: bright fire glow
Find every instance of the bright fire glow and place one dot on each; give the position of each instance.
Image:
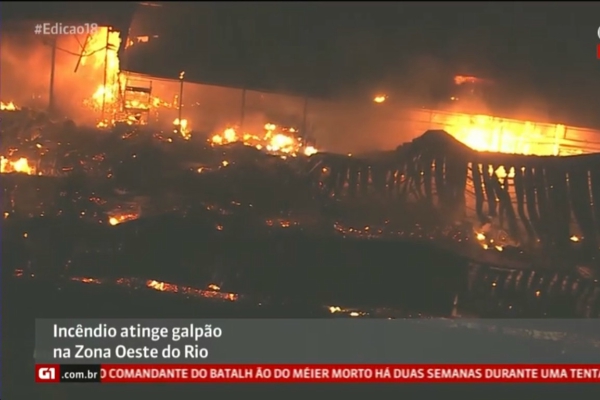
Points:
(105, 93)
(21, 166)
(183, 128)
(487, 133)
(380, 99)
(310, 150)
(274, 140)
(103, 46)
(10, 106)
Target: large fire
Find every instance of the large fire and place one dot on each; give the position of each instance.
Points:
(21, 166)
(274, 140)
(100, 50)
(487, 133)
(481, 132)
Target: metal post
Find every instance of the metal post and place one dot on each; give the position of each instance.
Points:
(52, 71)
(105, 74)
(243, 110)
(181, 75)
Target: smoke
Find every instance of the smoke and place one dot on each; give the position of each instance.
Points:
(26, 61)
(353, 122)
(25, 66)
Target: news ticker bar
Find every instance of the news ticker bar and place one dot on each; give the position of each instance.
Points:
(186, 373)
(316, 341)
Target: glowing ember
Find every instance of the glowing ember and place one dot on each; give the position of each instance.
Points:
(281, 223)
(120, 218)
(351, 313)
(274, 140)
(380, 99)
(213, 291)
(87, 280)
(21, 166)
(462, 79)
(10, 106)
(575, 238)
(182, 128)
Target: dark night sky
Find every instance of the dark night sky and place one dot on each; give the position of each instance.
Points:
(538, 50)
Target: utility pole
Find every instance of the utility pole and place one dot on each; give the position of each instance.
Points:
(243, 111)
(82, 54)
(108, 29)
(304, 120)
(52, 71)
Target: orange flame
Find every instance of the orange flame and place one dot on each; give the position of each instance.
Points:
(10, 106)
(487, 133)
(101, 47)
(183, 128)
(275, 140)
(21, 166)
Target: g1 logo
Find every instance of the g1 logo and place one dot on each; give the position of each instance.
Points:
(47, 373)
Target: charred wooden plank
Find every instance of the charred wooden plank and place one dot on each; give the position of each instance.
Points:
(489, 190)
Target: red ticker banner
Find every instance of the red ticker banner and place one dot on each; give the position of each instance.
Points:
(186, 373)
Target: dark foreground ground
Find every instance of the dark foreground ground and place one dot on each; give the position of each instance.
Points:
(29, 299)
(419, 282)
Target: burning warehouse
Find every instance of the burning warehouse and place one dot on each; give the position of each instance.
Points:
(143, 108)
(129, 183)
